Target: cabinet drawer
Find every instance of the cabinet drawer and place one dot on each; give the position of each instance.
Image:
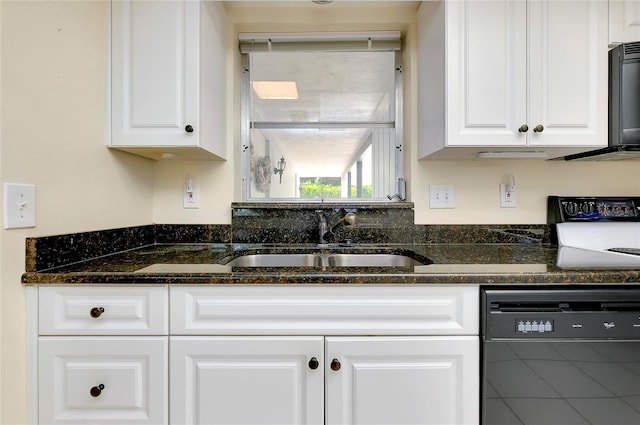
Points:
(324, 310)
(103, 310)
(103, 380)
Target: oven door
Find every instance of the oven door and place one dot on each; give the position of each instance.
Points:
(561, 382)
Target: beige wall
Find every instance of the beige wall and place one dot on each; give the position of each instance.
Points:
(53, 86)
(476, 183)
(53, 125)
(476, 186)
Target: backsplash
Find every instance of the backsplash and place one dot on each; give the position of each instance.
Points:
(51, 251)
(482, 233)
(192, 233)
(254, 223)
(377, 223)
(298, 223)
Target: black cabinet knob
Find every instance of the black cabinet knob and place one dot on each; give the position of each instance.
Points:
(188, 129)
(96, 391)
(96, 312)
(335, 364)
(538, 128)
(523, 128)
(313, 363)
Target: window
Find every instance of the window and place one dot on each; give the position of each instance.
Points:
(321, 116)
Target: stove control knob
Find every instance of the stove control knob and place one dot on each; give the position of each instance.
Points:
(571, 208)
(587, 207)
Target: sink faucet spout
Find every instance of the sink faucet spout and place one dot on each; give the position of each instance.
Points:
(323, 226)
(326, 233)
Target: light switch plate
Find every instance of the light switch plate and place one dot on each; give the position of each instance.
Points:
(19, 205)
(441, 196)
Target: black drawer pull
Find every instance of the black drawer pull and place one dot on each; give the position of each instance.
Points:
(96, 391)
(335, 364)
(313, 363)
(96, 312)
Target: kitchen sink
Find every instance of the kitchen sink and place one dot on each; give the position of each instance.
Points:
(372, 260)
(366, 259)
(276, 260)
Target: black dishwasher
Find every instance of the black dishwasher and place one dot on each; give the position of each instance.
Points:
(560, 357)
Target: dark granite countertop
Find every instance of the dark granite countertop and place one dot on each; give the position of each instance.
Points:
(198, 263)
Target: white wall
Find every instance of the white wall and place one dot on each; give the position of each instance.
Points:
(52, 121)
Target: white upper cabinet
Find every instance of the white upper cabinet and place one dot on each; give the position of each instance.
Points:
(514, 77)
(624, 21)
(168, 78)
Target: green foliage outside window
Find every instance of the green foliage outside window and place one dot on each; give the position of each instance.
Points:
(327, 187)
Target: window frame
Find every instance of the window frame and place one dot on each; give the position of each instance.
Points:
(396, 125)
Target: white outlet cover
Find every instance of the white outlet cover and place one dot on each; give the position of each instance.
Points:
(441, 196)
(19, 205)
(191, 196)
(507, 197)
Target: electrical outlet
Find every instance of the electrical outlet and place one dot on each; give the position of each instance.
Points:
(441, 196)
(507, 196)
(191, 198)
(19, 202)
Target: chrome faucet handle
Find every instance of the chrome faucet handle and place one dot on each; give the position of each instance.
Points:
(350, 219)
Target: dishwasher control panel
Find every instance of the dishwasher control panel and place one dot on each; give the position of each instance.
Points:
(570, 314)
(539, 326)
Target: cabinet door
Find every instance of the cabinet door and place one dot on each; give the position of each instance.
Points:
(486, 73)
(402, 380)
(117, 380)
(155, 61)
(247, 380)
(624, 21)
(568, 74)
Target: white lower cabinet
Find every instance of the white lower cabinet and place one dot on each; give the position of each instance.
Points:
(297, 380)
(102, 354)
(247, 380)
(351, 354)
(256, 354)
(98, 380)
(402, 380)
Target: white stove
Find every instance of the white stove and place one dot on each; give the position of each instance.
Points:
(597, 233)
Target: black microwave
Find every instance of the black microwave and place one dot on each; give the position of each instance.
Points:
(624, 94)
(624, 108)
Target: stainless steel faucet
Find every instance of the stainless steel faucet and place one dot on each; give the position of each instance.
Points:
(323, 226)
(325, 233)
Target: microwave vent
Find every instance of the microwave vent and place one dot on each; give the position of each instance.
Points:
(632, 48)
